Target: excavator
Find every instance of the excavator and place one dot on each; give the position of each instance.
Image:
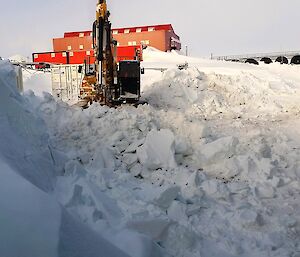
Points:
(106, 81)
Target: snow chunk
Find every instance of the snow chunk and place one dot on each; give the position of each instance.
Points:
(154, 228)
(165, 199)
(220, 149)
(158, 150)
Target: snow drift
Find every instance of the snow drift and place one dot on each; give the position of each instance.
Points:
(34, 223)
(209, 167)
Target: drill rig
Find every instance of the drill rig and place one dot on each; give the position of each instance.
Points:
(107, 81)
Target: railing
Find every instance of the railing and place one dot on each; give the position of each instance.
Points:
(257, 55)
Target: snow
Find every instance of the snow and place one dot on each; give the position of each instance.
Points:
(18, 58)
(209, 167)
(37, 81)
(158, 150)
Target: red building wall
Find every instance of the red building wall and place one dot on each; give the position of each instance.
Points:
(72, 44)
(75, 47)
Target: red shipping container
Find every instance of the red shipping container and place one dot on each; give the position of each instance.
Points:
(51, 57)
(78, 57)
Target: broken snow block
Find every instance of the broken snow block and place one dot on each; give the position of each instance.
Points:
(129, 159)
(265, 191)
(197, 130)
(153, 228)
(134, 146)
(217, 151)
(158, 150)
(166, 197)
(251, 218)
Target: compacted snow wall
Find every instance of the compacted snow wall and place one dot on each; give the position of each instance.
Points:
(24, 139)
(32, 222)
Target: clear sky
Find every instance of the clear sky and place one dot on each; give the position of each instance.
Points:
(207, 26)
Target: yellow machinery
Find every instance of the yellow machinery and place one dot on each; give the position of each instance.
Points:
(107, 81)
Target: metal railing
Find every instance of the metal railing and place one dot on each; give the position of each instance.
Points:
(288, 54)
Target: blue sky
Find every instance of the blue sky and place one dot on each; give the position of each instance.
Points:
(206, 26)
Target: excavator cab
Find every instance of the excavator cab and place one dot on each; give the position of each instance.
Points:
(129, 81)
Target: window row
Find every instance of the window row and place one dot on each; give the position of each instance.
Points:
(64, 54)
(81, 47)
(143, 42)
(138, 30)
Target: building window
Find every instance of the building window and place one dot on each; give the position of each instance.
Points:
(126, 31)
(81, 34)
(71, 54)
(118, 44)
(138, 30)
(92, 46)
(36, 56)
(91, 34)
(151, 29)
(64, 54)
(69, 47)
(130, 43)
(81, 47)
(52, 55)
(134, 43)
(88, 53)
(115, 32)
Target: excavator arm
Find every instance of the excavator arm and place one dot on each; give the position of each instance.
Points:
(108, 82)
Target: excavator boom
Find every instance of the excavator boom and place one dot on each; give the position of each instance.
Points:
(107, 81)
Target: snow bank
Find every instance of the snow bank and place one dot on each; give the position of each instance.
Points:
(25, 143)
(240, 94)
(32, 167)
(209, 167)
(34, 224)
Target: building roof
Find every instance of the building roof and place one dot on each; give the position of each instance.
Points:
(123, 30)
(144, 28)
(85, 33)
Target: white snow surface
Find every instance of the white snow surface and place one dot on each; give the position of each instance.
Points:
(37, 81)
(209, 167)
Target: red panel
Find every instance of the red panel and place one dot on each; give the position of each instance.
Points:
(129, 52)
(78, 57)
(62, 44)
(55, 58)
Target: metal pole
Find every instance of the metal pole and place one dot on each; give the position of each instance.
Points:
(186, 50)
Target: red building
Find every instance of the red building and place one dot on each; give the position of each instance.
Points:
(161, 37)
(76, 47)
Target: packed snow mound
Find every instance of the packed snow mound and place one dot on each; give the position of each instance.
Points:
(195, 92)
(222, 182)
(32, 199)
